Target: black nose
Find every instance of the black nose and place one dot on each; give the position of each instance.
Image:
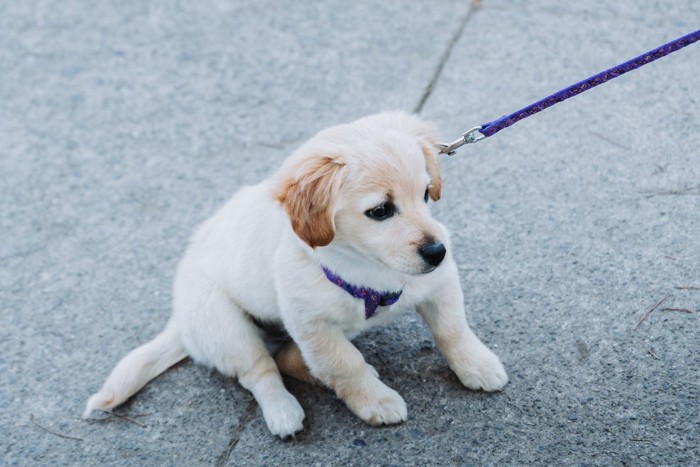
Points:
(433, 253)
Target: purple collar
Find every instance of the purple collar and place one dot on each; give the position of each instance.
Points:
(372, 298)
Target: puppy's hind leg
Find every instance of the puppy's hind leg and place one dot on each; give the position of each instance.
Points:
(225, 338)
(291, 363)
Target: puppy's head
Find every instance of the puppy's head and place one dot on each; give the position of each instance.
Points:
(364, 188)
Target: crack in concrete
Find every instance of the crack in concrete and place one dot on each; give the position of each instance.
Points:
(473, 7)
(236, 435)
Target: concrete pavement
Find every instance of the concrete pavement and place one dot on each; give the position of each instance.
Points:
(125, 124)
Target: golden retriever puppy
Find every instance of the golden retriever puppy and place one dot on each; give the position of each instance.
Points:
(339, 240)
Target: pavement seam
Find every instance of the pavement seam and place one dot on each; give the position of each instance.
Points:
(427, 92)
(236, 435)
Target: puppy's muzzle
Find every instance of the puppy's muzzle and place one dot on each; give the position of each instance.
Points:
(433, 253)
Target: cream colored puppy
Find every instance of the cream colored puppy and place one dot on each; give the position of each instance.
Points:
(339, 240)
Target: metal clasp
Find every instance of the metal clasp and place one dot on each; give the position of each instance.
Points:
(472, 135)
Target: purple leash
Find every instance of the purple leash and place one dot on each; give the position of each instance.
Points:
(491, 128)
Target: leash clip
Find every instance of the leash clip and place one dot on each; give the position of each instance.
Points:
(472, 135)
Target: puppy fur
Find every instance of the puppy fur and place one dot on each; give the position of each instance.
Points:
(259, 259)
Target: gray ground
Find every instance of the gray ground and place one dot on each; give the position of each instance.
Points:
(124, 124)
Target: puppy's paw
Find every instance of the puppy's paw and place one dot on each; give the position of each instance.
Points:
(483, 372)
(284, 416)
(376, 403)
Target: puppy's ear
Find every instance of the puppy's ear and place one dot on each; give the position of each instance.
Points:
(426, 134)
(308, 191)
(433, 167)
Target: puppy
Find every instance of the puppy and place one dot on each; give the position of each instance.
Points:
(339, 240)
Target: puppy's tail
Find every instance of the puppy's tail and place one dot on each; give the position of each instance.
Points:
(137, 368)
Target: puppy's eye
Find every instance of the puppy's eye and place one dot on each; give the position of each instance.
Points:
(425, 196)
(381, 212)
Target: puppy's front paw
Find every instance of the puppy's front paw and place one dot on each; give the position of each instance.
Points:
(375, 403)
(484, 371)
(284, 416)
